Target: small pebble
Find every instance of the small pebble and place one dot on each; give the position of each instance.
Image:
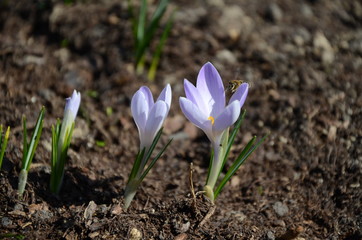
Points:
(270, 235)
(135, 234)
(280, 208)
(5, 221)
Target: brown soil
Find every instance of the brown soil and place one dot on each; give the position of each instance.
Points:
(304, 62)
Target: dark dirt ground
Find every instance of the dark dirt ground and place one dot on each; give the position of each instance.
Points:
(303, 60)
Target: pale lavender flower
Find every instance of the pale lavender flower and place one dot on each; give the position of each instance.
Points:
(149, 115)
(205, 107)
(204, 104)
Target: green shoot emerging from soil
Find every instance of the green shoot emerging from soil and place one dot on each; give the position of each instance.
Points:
(3, 143)
(61, 138)
(144, 30)
(29, 150)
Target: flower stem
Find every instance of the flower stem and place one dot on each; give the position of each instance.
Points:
(130, 192)
(215, 169)
(23, 177)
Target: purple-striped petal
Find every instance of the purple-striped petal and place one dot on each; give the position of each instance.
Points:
(228, 117)
(211, 88)
(192, 93)
(154, 122)
(139, 108)
(240, 94)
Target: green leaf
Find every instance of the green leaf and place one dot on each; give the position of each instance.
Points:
(249, 149)
(109, 111)
(25, 142)
(153, 145)
(156, 56)
(150, 30)
(34, 140)
(144, 174)
(141, 24)
(1, 132)
(232, 138)
(133, 19)
(3, 144)
(136, 165)
(100, 143)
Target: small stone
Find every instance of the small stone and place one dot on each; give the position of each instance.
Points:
(113, 19)
(90, 210)
(280, 208)
(93, 235)
(234, 22)
(185, 227)
(182, 236)
(18, 207)
(270, 235)
(6, 222)
(135, 234)
(226, 56)
(279, 223)
(306, 11)
(332, 132)
(323, 49)
(235, 181)
(63, 54)
(116, 209)
(274, 13)
(43, 215)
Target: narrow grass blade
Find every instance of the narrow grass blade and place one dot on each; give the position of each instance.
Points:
(34, 140)
(4, 143)
(156, 56)
(144, 174)
(153, 145)
(133, 19)
(151, 29)
(141, 24)
(1, 133)
(136, 165)
(25, 142)
(249, 149)
(140, 32)
(232, 138)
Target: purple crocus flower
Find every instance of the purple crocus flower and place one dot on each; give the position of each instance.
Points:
(149, 115)
(204, 104)
(205, 107)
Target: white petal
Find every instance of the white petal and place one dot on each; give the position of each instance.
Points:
(166, 96)
(228, 117)
(154, 122)
(192, 93)
(211, 88)
(148, 95)
(194, 115)
(240, 94)
(139, 108)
